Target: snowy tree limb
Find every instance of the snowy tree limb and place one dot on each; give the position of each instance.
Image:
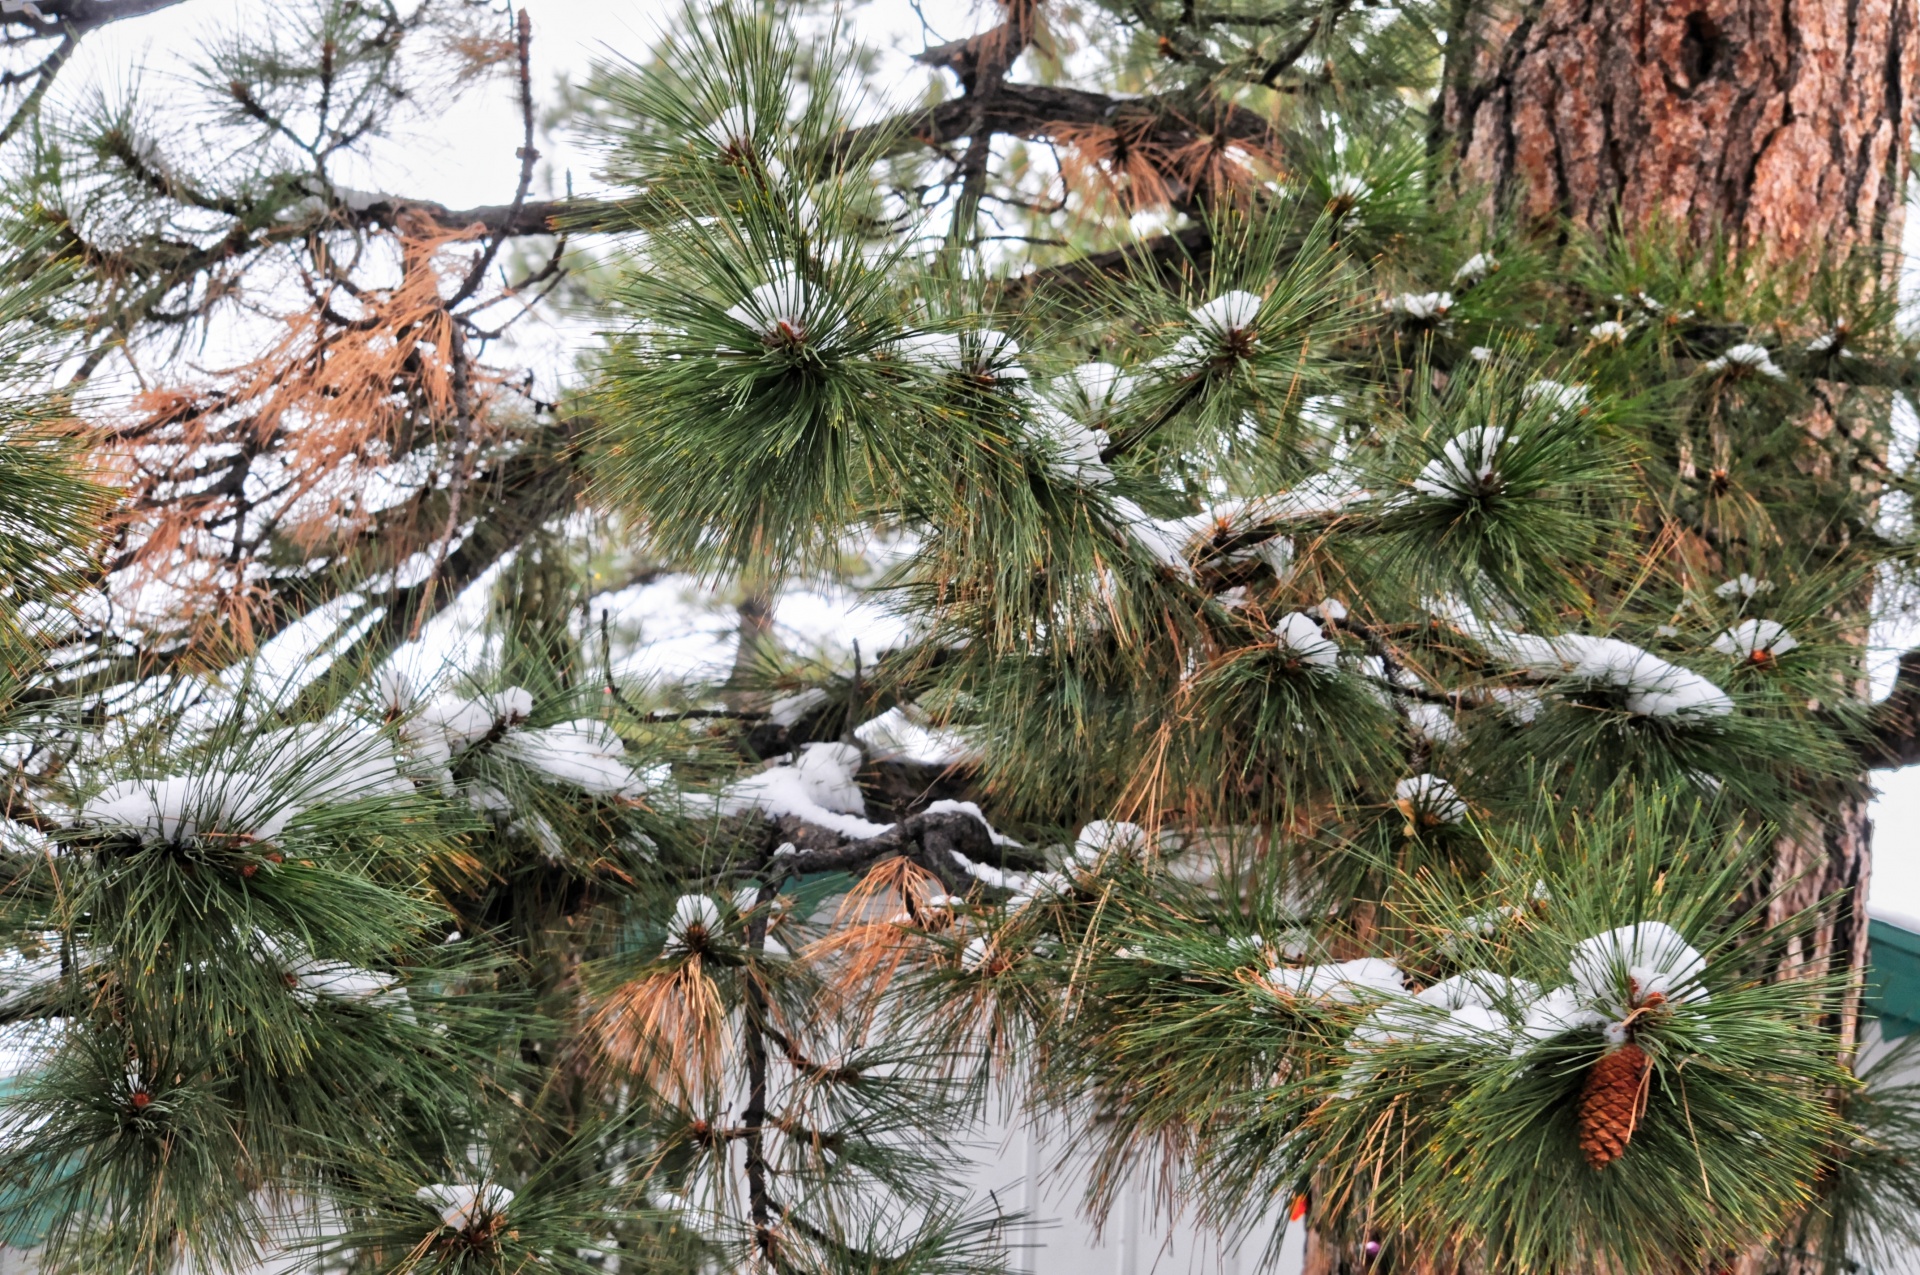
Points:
(926, 838)
(1893, 735)
(50, 19)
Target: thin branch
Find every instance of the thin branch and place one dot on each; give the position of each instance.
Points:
(48, 71)
(1892, 738)
(527, 156)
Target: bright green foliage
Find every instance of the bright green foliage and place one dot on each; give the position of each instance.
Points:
(1428, 592)
(1396, 644)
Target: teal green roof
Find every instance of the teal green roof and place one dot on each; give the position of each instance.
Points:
(1893, 977)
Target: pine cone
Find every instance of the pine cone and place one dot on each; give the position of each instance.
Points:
(1611, 1104)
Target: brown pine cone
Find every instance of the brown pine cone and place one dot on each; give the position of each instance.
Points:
(1611, 1104)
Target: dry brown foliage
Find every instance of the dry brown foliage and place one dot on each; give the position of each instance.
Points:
(879, 928)
(1133, 165)
(670, 1028)
(325, 445)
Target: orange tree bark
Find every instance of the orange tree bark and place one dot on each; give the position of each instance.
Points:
(1784, 121)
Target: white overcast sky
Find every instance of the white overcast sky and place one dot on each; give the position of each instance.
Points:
(468, 159)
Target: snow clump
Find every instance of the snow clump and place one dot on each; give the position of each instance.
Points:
(462, 1204)
(1746, 357)
(1464, 468)
(1756, 640)
(1299, 637)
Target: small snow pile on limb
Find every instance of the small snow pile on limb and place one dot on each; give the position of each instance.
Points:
(1756, 641)
(463, 1206)
(1746, 357)
(1363, 979)
(1650, 685)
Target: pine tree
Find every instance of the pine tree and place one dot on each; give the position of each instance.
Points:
(426, 977)
(1368, 647)
(1454, 607)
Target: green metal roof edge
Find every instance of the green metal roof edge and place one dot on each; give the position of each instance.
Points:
(1892, 989)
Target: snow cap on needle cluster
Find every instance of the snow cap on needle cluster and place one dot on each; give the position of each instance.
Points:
(1742, 586)
(1626, 968)
(1756, 640)
(983, 354)
(1228, 314)
(462, 1204)
(973, 957)
(1653, 687)
(1833, 341)
(1073, 449)
(1222, 326)
(310, 978)
(1475, 268)
(731, 130)
(1421, 307)
(1465, 466)
(1612, 976)
(1556, 395)
(1300, 638)
(1746, 357)
(1348, 189)
(1429, 799)
(256, 788)
(1105, 837)
(1096, 389)
(1434, 723)
(785, 312)
(695, 923)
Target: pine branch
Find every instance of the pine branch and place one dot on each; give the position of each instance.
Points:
(1892, 739)
(1036, 111)
(526, 154)
(78, 17)
(761, 1205)
(927, 838)
(527, 217)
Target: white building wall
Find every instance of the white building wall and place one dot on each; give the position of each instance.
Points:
(1023, 1171)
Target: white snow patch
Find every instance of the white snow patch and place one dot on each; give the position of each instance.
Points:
(587, 753)
(1300, 637)
(462, 1204)
(1345, 982)
(1756, 640)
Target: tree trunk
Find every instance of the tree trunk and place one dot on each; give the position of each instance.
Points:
(1781, 126)
(1784, 123)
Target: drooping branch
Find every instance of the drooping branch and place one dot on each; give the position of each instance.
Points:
(1036, 111)
(1892, 739)
(927, 838)
(52, 18)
